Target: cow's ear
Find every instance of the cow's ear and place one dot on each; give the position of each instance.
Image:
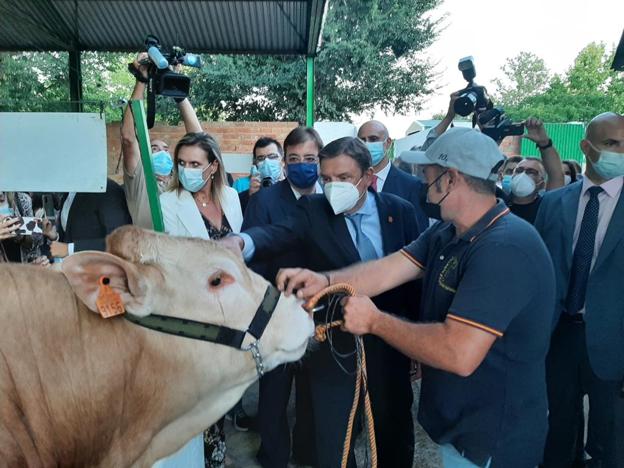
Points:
(83, 270)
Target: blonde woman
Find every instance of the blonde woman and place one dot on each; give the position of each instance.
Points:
(199, 203)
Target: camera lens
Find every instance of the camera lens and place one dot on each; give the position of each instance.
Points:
(465, 103)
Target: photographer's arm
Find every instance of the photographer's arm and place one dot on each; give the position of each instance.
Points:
(550, 156)
(129, 142)
(448, 118)
(189, 117)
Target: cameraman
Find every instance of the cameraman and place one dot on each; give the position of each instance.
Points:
(162, 163)
(532, 176)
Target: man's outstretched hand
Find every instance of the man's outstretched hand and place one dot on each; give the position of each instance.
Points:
(306, 282)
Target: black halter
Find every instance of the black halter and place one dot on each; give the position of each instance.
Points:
(218, 334)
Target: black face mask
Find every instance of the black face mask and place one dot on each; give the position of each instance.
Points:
(432, 210)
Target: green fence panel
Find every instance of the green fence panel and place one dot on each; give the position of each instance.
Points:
(566, 138)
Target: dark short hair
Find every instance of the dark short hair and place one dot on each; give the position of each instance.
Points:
(510, 160)
(263, 142)
(301, 135)
(349, 146)
(572, 168)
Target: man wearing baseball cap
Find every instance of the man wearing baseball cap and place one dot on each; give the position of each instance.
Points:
(487, 304)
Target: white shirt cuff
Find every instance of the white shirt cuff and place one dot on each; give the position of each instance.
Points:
(70, 249)
(249, 248)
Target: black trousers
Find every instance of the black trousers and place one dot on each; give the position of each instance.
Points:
(275, 388)
(391, 400)
(569, 377)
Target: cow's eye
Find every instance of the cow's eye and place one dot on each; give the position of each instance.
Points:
(219, 279)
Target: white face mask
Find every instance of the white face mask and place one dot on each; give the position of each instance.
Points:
(567, 180)
(522, 185)
(342, 196)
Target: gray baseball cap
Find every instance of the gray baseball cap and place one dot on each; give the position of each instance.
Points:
(465, 149)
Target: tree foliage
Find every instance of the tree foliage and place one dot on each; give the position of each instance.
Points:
(370, 57)
(588, 88)
(526, 75)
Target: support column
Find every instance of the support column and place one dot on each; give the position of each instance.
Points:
(75, 81)
(310, 92)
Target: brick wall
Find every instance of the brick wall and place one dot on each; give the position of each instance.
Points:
(511, 146)
(233, 137)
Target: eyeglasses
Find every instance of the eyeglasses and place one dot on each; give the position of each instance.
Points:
(528, 171)
(262, 157)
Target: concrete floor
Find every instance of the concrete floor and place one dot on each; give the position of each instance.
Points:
(242, 446)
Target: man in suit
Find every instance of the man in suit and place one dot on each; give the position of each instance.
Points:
(349, 224)
(267, 169)
(269, 206)
(86, 219)
(386, 177)
(582, 225)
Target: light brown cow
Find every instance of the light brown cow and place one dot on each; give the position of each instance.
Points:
(80, 390)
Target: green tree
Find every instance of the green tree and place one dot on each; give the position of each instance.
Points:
(370, 56)
(525, 75)
(588, 88)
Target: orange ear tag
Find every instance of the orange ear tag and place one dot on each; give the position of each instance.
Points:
(109, 303)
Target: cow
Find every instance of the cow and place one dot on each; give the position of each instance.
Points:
(77, 389)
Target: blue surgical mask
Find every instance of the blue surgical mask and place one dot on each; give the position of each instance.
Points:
(6, 210)
(506, 184)
(270, 169)
(192, 179)
(609, 165)
(303, 175)
(376, 150)
(162, 163)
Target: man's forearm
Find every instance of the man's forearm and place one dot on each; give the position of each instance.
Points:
(424, 342)
(127, 129)
(553, 167)
(377, 276)
(189, 117)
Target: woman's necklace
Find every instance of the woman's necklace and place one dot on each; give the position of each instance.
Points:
(203, 201)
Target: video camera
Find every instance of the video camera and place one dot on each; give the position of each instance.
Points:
(161, 80)
(475, 99)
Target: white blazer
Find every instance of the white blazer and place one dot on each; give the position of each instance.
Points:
(182, 217)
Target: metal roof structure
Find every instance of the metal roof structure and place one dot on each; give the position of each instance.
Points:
(214, 27)
(618, 60)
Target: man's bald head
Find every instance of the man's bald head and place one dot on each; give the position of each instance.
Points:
(373, 129)
(605, 132)
(602, 124)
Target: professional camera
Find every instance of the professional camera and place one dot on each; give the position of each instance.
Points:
(473, 98)
(495, 124)
(161, 80)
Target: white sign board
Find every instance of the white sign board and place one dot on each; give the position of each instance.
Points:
(330, 131)
(52, 152)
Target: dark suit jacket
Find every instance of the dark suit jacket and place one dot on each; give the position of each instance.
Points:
(323, 239)
(408, 188)
(604, 302)
(273, 205)
(93, 216)
(244, 198)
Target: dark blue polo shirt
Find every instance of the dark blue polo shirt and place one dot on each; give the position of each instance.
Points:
(499, 278)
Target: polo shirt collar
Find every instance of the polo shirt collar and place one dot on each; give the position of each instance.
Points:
(488, 219)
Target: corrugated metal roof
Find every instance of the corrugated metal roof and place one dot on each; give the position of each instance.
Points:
(258, 27)
(566, 138)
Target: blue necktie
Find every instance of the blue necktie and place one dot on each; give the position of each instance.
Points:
(583, 254)
(363, 243)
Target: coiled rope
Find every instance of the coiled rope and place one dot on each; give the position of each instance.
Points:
(321, 335)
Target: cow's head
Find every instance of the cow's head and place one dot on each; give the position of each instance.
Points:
(189, 278)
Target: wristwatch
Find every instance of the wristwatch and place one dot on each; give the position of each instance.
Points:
(546, 146)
